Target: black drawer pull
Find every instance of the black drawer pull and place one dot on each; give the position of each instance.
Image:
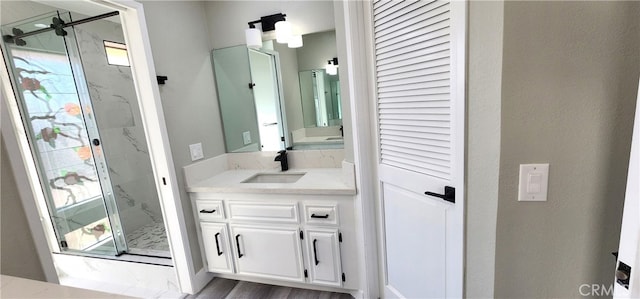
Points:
(315, 253)
(240, 255)
(203, 211)
(218, 244)
(325, 216)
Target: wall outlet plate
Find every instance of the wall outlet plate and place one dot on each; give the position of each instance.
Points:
(196, 151)
(246, 137)
(534, 182)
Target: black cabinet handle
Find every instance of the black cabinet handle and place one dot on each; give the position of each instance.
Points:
(218, 244)
(207, 212)
(325, 216)
(240, 255)
(315, 253)
(449, 194)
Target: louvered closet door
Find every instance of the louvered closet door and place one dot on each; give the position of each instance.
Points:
(419, 60)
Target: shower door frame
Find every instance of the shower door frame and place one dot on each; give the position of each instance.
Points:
(143, 71)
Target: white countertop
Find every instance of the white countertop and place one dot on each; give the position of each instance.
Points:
(319, 139)
(325, 181)
(15, 287)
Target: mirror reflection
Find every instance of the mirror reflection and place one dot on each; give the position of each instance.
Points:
(320, 97)
(278, 97)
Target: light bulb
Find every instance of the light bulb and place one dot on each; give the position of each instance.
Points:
(331, 69)
(283, 32)
(253, 37)
(295, 41)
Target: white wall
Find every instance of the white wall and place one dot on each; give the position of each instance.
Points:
(181, 51)
(483, 144)
(19, 256)
(569, 83)
(318, 48)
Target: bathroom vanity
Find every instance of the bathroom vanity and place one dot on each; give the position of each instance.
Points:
(295, 228)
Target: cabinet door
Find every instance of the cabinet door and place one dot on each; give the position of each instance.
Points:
(217, 248)
(268, 252)
(323, 256)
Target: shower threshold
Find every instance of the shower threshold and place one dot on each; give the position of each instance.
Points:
(146, 256)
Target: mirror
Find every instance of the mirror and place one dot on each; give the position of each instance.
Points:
(278, 97)
(320, 97)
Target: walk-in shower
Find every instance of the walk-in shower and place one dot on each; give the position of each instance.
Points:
(79, 106)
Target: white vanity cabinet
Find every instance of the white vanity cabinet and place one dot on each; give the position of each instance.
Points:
(217, 248)
(270, 252)
(280, 237)
(324, 256)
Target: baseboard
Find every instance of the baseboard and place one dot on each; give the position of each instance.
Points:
(289, 284)
(201, 280)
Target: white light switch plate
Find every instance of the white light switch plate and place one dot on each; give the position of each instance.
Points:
(246, 137)
(534, 182)
(196, 151)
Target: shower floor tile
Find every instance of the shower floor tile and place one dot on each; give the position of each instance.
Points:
(149, 237)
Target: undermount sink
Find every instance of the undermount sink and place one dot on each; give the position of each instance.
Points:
(278, 178)
(335, 138)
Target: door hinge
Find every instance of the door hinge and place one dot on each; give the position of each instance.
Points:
(282, 138)
(164, 181)
(301, 235)
(64, 244)
(251, 85)
(306, 274)
(340, 237)
(344, 278)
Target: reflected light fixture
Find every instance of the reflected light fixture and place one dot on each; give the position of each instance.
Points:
(268, 23)
(253, 36)
(332, 66)
(283, 32)
(277, 22)
(295, 41)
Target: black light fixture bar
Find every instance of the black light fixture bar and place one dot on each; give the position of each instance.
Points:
(57, 25)
(268, 23)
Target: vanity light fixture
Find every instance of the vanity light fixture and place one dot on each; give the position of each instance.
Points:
(283, 32)
(332, 66)
(295, 41)
(253, 36)
(277, 22)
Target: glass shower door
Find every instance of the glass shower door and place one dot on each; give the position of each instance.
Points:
(63, 138)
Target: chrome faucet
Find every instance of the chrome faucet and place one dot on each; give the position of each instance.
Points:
(282, 157)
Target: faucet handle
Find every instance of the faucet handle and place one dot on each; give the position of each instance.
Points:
(284, 151)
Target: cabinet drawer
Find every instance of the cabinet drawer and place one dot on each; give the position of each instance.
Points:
(210, 210)
(272, 212)
(324, 214)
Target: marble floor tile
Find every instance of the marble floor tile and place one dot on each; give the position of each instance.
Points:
(149, 237)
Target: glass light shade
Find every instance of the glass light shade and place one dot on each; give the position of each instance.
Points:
(295, 41)
(283, 32)
(331, 69)
(253, 37)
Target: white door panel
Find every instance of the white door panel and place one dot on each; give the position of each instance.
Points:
(415, 230)
(323, 253)
(216, 247)
(419, 53)
(628, 252)
(268, 252)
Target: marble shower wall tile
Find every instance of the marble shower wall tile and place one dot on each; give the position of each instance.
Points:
(117, 113)
(329, 158)
(123, 278)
